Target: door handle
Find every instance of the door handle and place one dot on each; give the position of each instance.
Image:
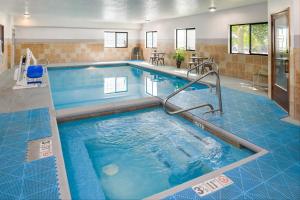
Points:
(286, 66)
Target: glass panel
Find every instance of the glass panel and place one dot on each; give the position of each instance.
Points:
(240, 39)
(191, 39)
(109, 39)
(281, 51)
(121, 84)
(154, 40)
(181, 38)
(121, 40)
(259, 38)
(149, 39)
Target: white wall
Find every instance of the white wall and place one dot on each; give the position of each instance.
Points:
(275, 6)
(56, 33)
(36, 28)
(209, 25)
(7, 21)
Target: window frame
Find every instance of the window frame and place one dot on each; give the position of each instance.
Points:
(116, 33)
(152, 47)
(186, 30)
(250, 38)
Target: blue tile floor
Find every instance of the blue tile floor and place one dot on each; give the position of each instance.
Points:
(254, 118)
(20, 179)
(275, 175)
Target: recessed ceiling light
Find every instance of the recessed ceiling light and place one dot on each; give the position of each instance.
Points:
(212, 9)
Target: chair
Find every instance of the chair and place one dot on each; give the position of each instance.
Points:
(257, 78)
(153, 57)
(161, 59)
(192, 62)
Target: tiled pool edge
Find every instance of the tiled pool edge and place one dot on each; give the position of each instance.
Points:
(105, 109)
(57, 150)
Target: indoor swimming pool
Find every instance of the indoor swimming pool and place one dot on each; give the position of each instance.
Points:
(81, 86)
(137, 154)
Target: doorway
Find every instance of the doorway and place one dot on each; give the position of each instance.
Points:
(2, 38)
(280, 58)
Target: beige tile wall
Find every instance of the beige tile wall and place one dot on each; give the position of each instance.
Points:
(75, 51)
(239, 66)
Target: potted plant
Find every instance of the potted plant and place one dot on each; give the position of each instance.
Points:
(179, 57)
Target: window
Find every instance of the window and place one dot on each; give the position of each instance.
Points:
(151, 39)
(259, 39)
(115, 85)
(249, 39)
(186, 39)
(116, 39)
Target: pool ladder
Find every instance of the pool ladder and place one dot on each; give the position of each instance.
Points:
(196, 80)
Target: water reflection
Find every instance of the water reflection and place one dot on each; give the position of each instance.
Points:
(115, 85)
(151, 86)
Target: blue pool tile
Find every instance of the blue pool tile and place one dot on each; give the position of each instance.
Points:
(39, 166)
(13, 187)
(278, 183)
(15, 170)
(276, 195)
(253, 168)
(5, 196)
(187, 194)
(227, 193)
(48, 177)
(259, 192)
(18, 178)
(242, 197)
(51, 193)
(31, 187)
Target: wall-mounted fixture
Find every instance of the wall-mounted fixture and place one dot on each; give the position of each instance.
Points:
(212, 7)
(26, 12)
(27, 15)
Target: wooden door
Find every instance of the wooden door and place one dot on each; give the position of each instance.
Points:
(2, 38)
(280, 58)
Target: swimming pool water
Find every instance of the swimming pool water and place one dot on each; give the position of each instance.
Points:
(81, 86)
(137, 154)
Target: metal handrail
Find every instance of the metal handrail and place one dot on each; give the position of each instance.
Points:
(212, 110)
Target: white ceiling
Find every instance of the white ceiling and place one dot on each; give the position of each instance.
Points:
(131, 11)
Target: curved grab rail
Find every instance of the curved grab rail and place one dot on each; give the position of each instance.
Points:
(212, 110)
